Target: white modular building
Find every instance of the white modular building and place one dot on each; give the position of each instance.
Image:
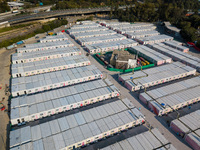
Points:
(60, 33)
(84, 30)
(164, 100)
(45, 46)
(175, 101)
(50, 65)
(137, 35)
(87, 22)
(159, 78)
(78, 129)
(92, 34)
(126, 25)
(110, 46)
(150, 54)
(44, 55)
(177, 55)
(84, 26)
(150, 71)
(133, 30)
(55, 38)
(174, 44)
(52, 80)
(154, 39)
(110, 24)
(152, 139)
(188, 127)
(101, 39)
(157, 75)
(49, 103)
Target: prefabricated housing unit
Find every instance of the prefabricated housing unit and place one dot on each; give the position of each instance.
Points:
(152, 139)
(150, 54)
(44, 55)
(54, 38)
(154, 39)
(162, 99)
(177, 55)
(79, 129)
(52, 80)
(45, 46)
(110, 46)
(57, 101)
(50, 65)
(188, 127)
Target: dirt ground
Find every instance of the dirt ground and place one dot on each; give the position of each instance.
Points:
(4, 85)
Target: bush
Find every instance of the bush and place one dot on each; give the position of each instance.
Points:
(39, 31)
(88, 18)
(46, 28)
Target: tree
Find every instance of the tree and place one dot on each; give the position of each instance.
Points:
(189, 34)
(4, 6)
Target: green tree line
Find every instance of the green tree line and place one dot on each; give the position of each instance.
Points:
(164, 10)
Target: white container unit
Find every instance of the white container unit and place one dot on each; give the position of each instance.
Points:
(39, 67)
(133, 30)
(186, 124)
(155, 39)
(177, 55)
(84, 30)
(53, 38)
(128, 25)
(93, 34)
(44, 55)
(110, 46)
(87, 22)
(156, 75)
(188, 127)
(50, 103)
(52, 80)
(159, 78)
(45, 46)
(59, 33)
(150, 71)
(147, 140)
(80, 129)
(101, 39)
(174, 44)
(193, 139)
(175, 101)
(138, 35)
(83, 26)
(152, 97)
(151, 55)
(110, 24)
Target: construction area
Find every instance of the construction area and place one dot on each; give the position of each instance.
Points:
(64, 96)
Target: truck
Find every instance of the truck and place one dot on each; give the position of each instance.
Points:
(15, 11)
(11, 46)
(20, 42)
(50, 33)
